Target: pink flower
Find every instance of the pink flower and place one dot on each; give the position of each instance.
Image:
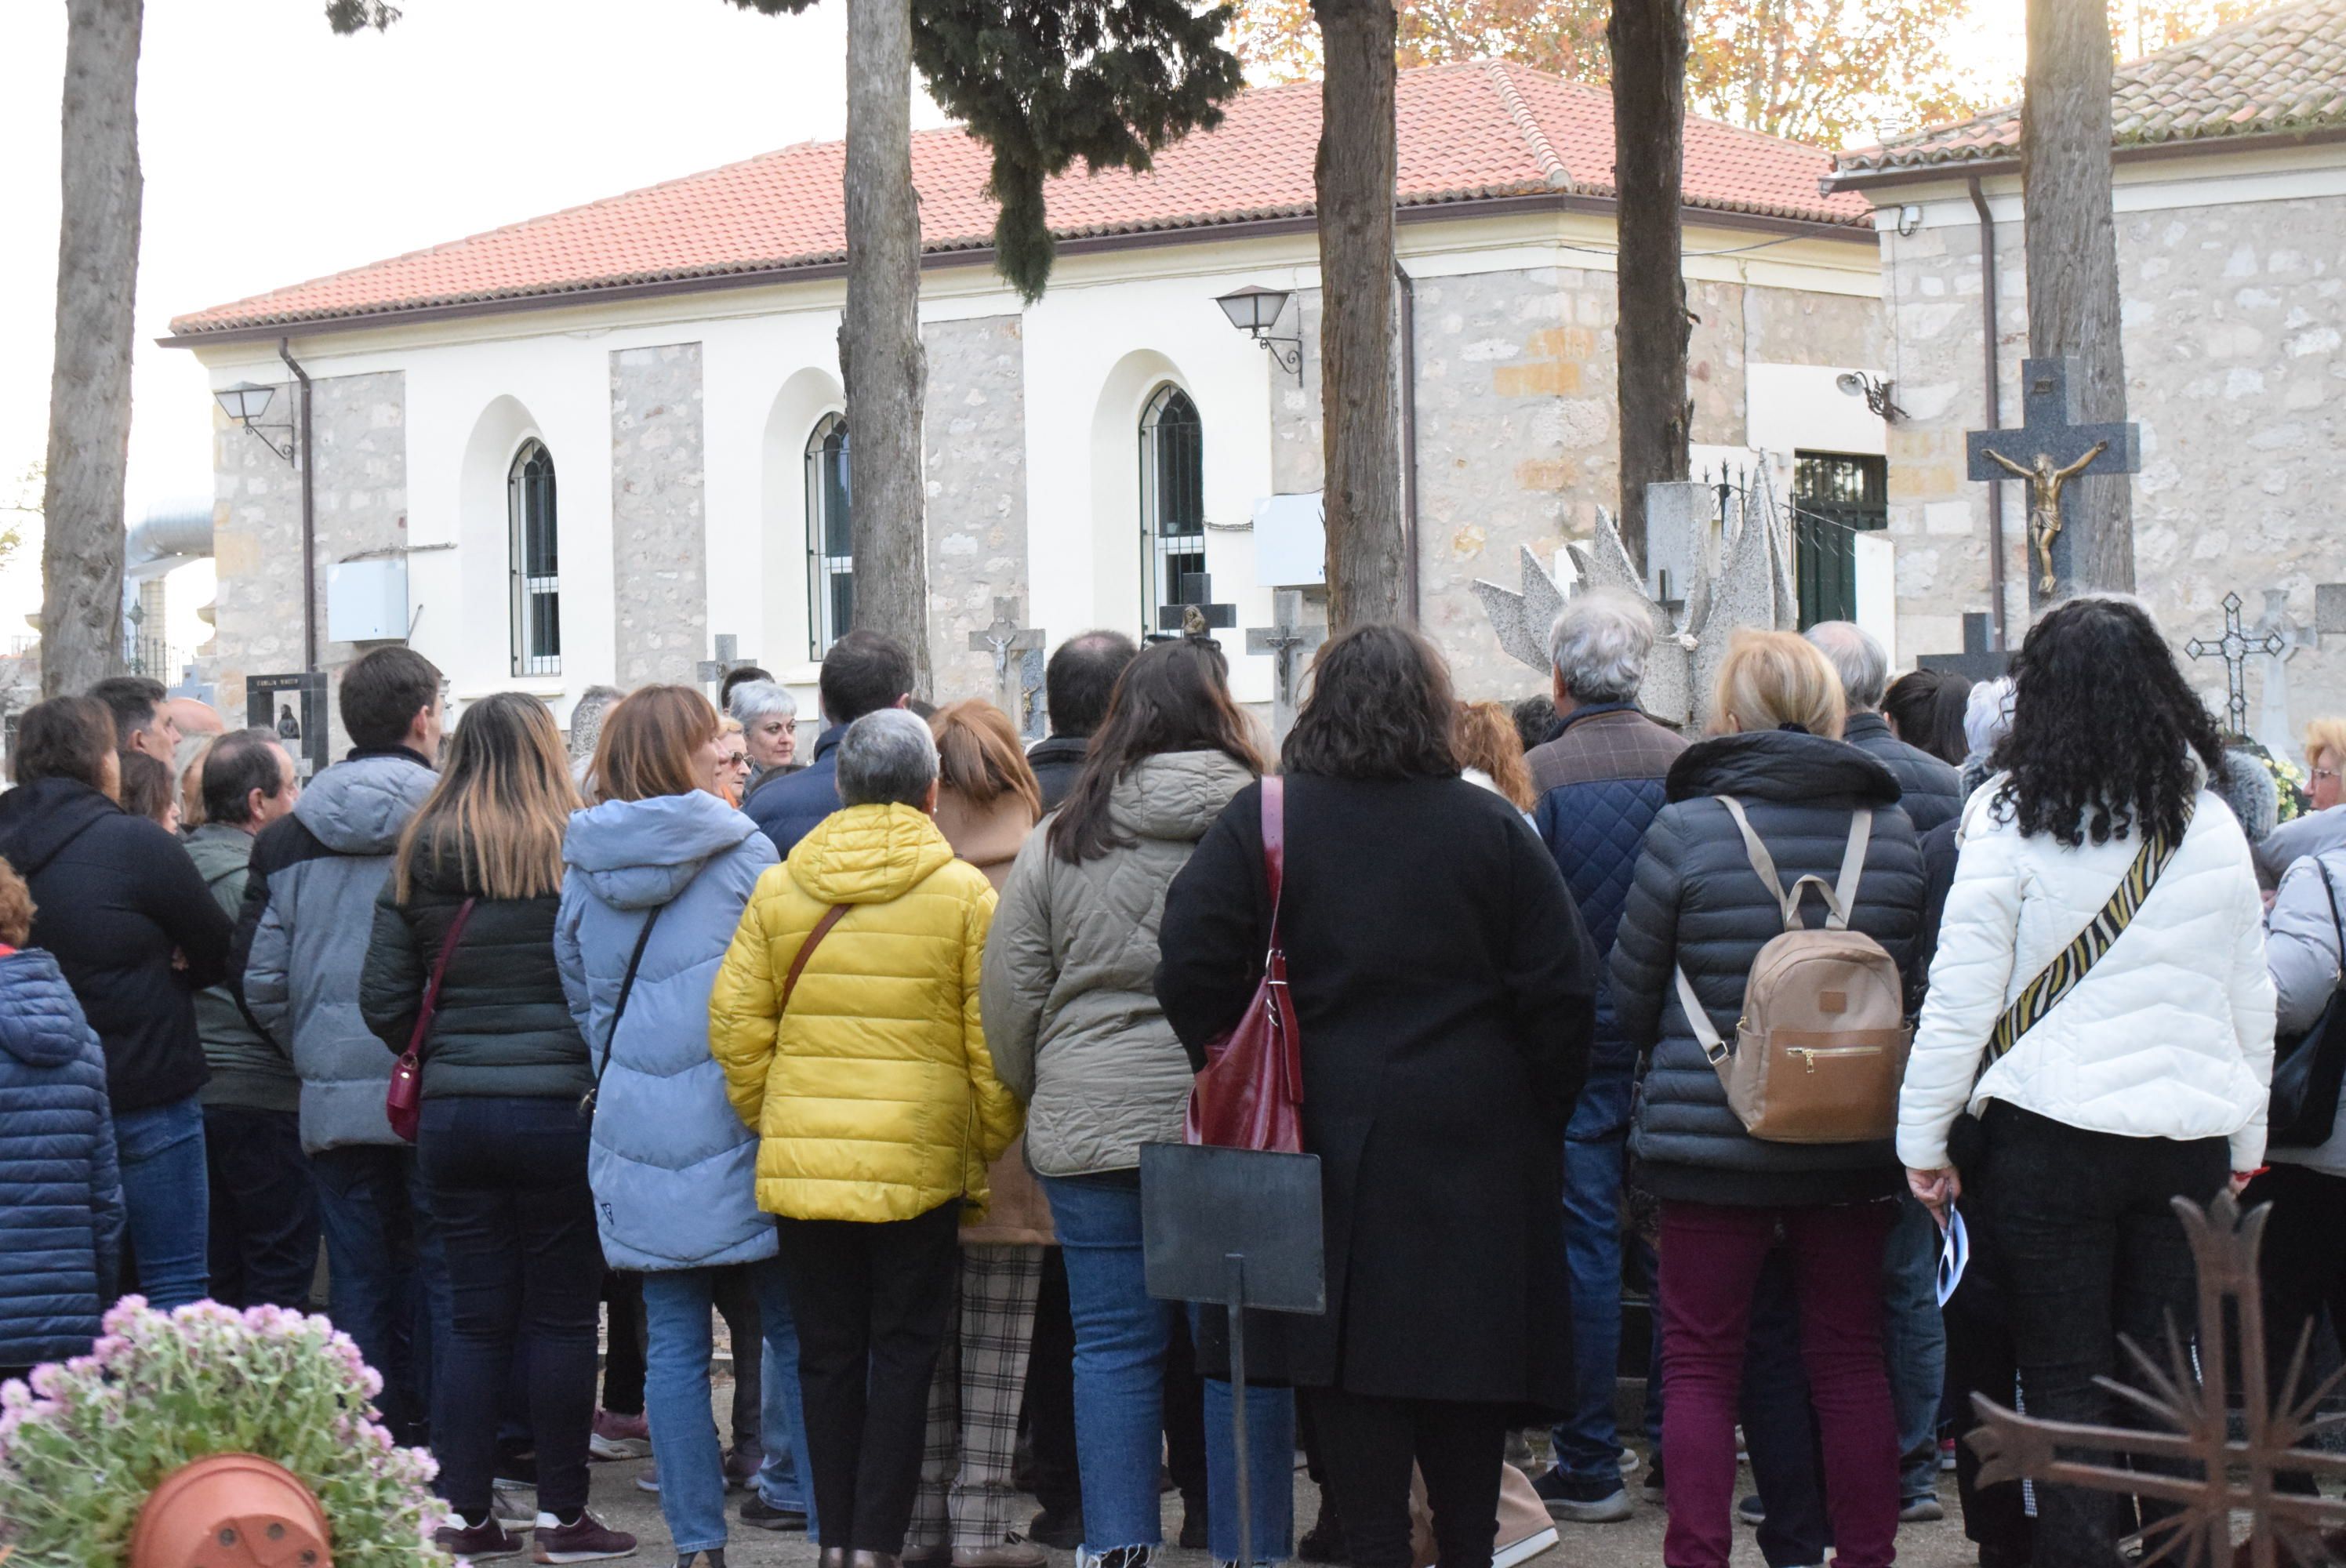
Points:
(15, 1394)
(124, 1313)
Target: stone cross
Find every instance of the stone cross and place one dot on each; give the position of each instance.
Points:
(1196, 594)
(2234, 647)
(2049, 449)
(2272, 721)
(1288, 640)
(1004, 638)
(713, 671)
(1977, 662)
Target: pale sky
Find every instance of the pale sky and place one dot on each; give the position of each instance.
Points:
(274, 151)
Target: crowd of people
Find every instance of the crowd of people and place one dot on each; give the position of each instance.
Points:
(857, 1051)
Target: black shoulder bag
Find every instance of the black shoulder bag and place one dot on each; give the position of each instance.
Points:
(2308, 1071)
(611, 1035)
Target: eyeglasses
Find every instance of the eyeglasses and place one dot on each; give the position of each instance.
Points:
(2329, 773)
(739, 759)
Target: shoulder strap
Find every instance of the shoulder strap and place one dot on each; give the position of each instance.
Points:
(1841, 897)
(423, 1017)
(2336, 923)
(831, 917)
(619, 1010)
(1274, 844)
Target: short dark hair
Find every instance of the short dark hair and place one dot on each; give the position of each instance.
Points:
(1534, 720)
(383, 691)
(864, 672)
(132, 699)
(240, 762)
(64, 738)
(1380, 707)
(734, 677)
(1077, 680)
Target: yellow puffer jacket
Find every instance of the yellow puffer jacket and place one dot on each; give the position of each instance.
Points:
(875, 1098)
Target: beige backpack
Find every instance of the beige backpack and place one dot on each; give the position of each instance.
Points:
(1821, 1049)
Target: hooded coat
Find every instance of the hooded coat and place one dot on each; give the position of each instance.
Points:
(874, 1096)
(673, 1168)
(61, 1212)
(248, 1069)
(301, 942)
(117, 898)
(1071, 1010)
(1698, 903)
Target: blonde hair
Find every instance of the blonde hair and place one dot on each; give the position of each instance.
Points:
(646, 744)
(1770, 680)
(501, 807)
(979, 756)
(1485, 737)
(2326, 735)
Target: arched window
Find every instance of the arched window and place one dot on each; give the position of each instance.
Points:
(1172, 501)
(831, 535)
(537, 563)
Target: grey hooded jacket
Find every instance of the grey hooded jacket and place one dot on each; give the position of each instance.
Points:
(673, 1167)
(1070, 989)
(301, 942)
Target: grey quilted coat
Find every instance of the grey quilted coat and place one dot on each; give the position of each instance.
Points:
(1069, 996)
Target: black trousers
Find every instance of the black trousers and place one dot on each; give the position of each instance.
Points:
(508, 1186)
(625, 1343)
(872, 1303)
(2303, 1271)
(263, 1249)
(1979, 1359)
(1050, 1405)
(737, 1303)
(1368, 1445)
(2087, 1250)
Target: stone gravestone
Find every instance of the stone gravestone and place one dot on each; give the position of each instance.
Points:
(1197, 593)
(2273, 719)
(1004, 638)
(2234, 647)
(713, 671)
(1034, 693)
(1289, 641)
(2049, 449)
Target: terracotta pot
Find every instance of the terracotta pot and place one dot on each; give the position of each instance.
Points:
(230, 1511)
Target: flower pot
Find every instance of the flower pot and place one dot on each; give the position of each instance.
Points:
(230, 1511)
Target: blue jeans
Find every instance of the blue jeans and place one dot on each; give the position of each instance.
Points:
(784, 1480)
(168, 1197)
(676, 1305)
(1121, 1336)
(1914, 1341)
(1587, 1441)
(387, 1284)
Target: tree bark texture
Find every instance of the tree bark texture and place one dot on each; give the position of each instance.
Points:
(89, 388)
(1359, 437)
(880, 353)
(2072, 265)
(1647, 39)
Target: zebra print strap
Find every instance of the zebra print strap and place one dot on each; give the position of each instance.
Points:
(2068, 967)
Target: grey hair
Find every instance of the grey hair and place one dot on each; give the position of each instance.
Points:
(1860, 659)
(1598, 645)
(756, 700)
(887, 759)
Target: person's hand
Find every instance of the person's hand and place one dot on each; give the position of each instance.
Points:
(2241, 1179)
(178, 960)
(1935, 1190)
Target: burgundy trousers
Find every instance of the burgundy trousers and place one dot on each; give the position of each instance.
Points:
(1710, 1258)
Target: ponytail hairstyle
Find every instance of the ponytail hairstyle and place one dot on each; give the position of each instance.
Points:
(497, 816)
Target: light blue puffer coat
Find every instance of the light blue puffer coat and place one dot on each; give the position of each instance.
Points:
(674, 1170)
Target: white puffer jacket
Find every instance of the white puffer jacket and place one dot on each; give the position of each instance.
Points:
(2169, 1035)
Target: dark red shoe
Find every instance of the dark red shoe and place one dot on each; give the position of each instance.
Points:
(583, 1540)
(483, 1542)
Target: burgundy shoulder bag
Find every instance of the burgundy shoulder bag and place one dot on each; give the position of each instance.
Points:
(402, 1102)
(1249, 1094)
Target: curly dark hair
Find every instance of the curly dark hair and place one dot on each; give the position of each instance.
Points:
(1380, 708)
(2102, 725)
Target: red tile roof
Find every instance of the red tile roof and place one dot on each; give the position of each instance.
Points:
(1466, 132)
(2280, 73)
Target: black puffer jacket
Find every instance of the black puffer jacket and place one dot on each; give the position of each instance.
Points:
(504, 1026)
(1929, 791)
(1697, 903)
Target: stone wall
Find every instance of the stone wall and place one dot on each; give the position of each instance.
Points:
(2233, 318)
(359, 437)
(659, 526)
(1299, 460)
(974, 433)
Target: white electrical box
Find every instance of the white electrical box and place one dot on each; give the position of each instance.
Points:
(1290, 543)
(366, 601)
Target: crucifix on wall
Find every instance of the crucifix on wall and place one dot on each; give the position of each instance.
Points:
(2235, 648)
(2048, 451)
(1004, 638)
(1288, 640)
(713, 671)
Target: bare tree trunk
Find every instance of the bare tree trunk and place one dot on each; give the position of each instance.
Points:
(1354, 182)
(89, 389)
(2072, 265)
(880, 353)
(1648, 43)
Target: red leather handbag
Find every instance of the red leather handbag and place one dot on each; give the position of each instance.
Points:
(1250, 1094)
(403, 1101)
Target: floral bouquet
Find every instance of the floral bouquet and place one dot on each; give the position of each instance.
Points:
(83, 1444)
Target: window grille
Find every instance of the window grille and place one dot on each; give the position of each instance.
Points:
(537, 563)
(1172, 501)
(831, 535)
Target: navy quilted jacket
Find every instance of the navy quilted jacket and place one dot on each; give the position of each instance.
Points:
(1599, 780)
(789, 805)
(60, 1197)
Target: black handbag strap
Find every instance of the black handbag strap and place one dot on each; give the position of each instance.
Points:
(627, 989)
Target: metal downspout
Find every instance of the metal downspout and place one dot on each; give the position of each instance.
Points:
(309, 513)
(1995, 409)
(1408, 438)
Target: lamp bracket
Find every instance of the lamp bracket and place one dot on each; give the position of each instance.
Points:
(256, 429)
(1288, 352)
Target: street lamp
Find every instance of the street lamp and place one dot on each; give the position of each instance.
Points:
(245, 402)
(1255, 310)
